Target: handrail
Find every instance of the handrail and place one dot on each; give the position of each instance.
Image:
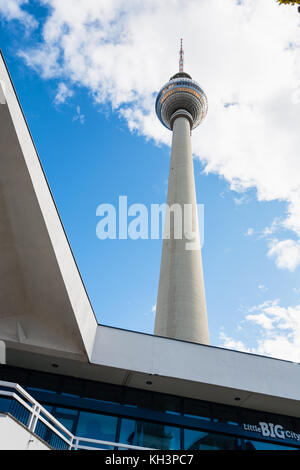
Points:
(107, 443)
(36, 412)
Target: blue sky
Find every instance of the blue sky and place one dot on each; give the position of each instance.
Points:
(87, 86)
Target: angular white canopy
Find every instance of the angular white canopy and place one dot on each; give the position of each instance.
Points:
(43, 302)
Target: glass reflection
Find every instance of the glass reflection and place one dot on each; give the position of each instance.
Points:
(97, 426)
(260, 445)
(197, 409)
(67, 417)
(152, 435)
(201, 440)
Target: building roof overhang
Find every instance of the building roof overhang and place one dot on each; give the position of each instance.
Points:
(177, 367)
(43, 302)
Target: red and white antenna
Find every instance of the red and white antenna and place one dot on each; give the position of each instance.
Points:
(181, 53)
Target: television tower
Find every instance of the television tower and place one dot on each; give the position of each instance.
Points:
(181, 105)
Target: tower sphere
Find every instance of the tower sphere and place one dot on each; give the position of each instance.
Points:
(181, 96)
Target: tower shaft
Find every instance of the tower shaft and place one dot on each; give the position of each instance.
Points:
(181, 306)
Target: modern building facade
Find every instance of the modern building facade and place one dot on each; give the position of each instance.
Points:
(181, 105)
(67, 382)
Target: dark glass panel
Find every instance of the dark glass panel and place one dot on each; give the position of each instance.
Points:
(102, 392)
(97, 426)
(19, 412)
(225, 414)
(67, 417)
(138, 398)
(197, 409)
(66, 411)
(150, 435)
(253, 416)
(49, 408)
(66, 422)
(295, 424)
(31, 390)
(200, 440)
(13, 374)
(72, 387)
(166, 403)
(5, 404)
(260, 445)
(43, 382)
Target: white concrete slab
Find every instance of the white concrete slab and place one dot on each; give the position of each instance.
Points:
(14, 436)
(43, 302)
(200, 369)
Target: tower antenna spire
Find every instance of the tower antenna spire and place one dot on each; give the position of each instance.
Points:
(181, 54)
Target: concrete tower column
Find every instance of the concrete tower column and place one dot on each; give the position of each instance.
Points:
(181, 105)
(181, 306)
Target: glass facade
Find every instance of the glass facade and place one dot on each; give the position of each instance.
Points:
(97, 426)
(260, 445)
(199, 440)
(119, 414)
(151, 435)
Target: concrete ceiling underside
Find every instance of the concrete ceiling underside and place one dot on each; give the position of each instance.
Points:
(42, 298)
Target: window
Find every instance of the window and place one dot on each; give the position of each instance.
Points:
(5, 404)
(260, 445)
(138, 398)
(67, 417)
(252, 417)
(202, 440)
(152, 401)
(39, 381)
(197, 409)
(151, 435)
(12, 374)
(97, 426)
(72, 387)
(225, 414)
(102, 392)
(166, 403)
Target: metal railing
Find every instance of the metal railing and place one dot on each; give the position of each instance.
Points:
(25, 409)
(15, 401)
(76, 445)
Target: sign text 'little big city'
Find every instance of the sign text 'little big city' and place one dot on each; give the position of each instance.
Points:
(272, 430)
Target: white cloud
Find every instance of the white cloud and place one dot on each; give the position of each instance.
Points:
(79, 116)
(262, 288)
(286, 253)
(239, 200)
(274, 227)
(11, 10)
(230, 343)
(63, 93)
(152, 312)
(48, 56)
(249, 232)
(262, 320)
(279, 334)
(245, 55)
